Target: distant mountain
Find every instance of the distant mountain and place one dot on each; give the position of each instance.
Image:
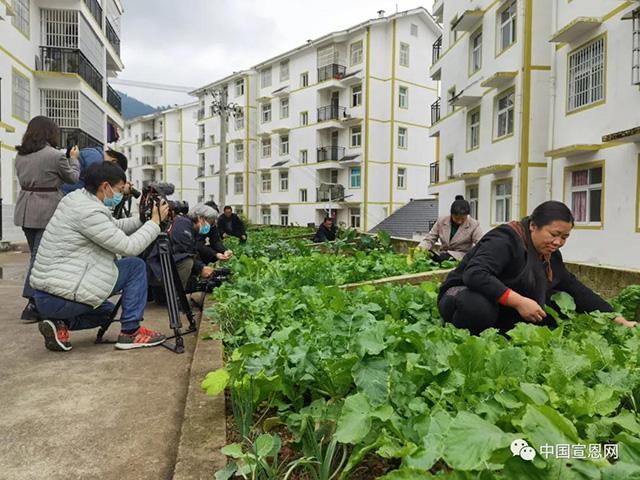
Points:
(132, 108)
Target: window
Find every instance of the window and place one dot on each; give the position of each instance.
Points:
(238, 183)
(284, 181)
(502, 199)
(304, 157)
(284, 70)
(507, 24)
(226, 185)
(226, 155)
(449, 166)
(239, 152)
(266, 147)
(266, 112)
(333, 176)
(266, 216)
(403, 97)
(473, 129)
(472, 198)
(451, 95)
(475, 52)
(586, 75)
(239, 120)
(212, 169)
(303, 195)
(356, 53)
(404, 54)
(21, 96)
(401, 178)
(585, 187)
(414, 30)
(304, 79)
(355, 177)
(265, 78)
(284, 144)
(284, 217)
(265, 183)
(304, 118)
(239, 87)
(284, 108)
(356, 95)
(356, 137)
(504, 114)
(635, 65)
(212, 139)
(354, 217)
(21, 19)
(402, 137)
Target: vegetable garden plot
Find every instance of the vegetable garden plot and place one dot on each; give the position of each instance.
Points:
(354, 375)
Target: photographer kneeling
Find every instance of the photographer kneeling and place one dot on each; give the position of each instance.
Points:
(76, 269)
(184, 233)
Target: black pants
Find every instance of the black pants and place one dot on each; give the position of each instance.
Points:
(34, 235)
(206, 254)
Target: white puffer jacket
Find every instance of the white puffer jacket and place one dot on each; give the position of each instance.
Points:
(76, 256)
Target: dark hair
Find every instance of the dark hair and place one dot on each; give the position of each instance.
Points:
(550, 211)
(40, 131)
(460, 206)
(120, 159)
(100, 172)
(213, 205)
(327, 218)
(227, 207)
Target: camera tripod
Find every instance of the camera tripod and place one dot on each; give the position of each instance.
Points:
(175, 295)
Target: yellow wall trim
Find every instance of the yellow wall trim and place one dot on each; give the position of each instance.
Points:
(419, 85)
(526, 108)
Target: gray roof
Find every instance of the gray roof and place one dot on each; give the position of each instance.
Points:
(416, 216)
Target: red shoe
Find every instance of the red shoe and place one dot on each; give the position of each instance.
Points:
(56, 335)
(142, 338)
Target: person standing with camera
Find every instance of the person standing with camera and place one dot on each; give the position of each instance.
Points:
(77, 268)
(41, 170)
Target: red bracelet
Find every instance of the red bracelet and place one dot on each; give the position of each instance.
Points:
(503, 298)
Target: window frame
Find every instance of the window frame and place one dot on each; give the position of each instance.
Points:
(284, 108)
(569, 190)
(356, 52)
(303, 195)
(474, 201)
(266, 81)
(403, 104)
(239, 85)
(404, 144)
(356, 96)
(22, 18)
(353, 215)
(283, 216)
(470, 128)
(304, 118)
(304, 157)
(283, 179)
(500, 25)
(404, 56)
(266, 142)
(401, 185)
(569, 109)
(284, 145)
(355, 135)
(358, 176)
(265, 182)
(266, 109)
(265, 213)
(284, 72)
(17, 74)
(238, 153)
(508, 198)
(235, 184)
(473, 49)
(304, 79)
(497, 113)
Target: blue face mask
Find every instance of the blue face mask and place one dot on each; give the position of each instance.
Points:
(113, 202)
(205, 229)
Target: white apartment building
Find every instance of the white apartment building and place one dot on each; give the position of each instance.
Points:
(161, 147)
(339, 123)
(539, 101)
(55, 59)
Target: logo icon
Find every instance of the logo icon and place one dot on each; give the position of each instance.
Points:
(521, 448)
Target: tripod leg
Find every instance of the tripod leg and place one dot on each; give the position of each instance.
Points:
(103, 329)
(169, 274)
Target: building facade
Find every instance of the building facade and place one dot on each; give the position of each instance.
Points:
(161, 147)
(55, 59)
(535, 105)
(339, 124)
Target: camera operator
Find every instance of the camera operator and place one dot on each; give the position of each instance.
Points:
(215, 250)
(230, 225)
(183, 233)
(76, 269)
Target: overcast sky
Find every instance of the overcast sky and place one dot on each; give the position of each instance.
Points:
(194, 42)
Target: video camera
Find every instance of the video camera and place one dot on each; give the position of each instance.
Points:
(153, 194)
(207, 285)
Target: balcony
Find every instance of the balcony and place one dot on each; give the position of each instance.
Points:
(113, 38)
(331, 112)
(78, 137)
(435, 111)
(148, 162)
(95, 9)
(114, 99)
(434, 172)
(436, 49)
(331, 71)
(330, 154)
(147, 137)
(200, 143)
(330, 193)
(70, 60)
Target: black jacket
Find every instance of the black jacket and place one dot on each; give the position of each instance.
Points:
(183, 241)
(496, 264)
(324, 234)
(215, 242)
(231, 226)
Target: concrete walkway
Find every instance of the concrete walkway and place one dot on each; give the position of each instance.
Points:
(92, 413)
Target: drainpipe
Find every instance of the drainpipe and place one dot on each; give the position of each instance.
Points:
(519, 114)
(552, 105)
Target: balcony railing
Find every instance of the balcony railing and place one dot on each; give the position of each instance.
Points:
(331, 71)
(331, 112)
(147, 137)
(436, 49)
(113, 38)
(330, 154)
(330, 193)
(114, 99)
(434, 172)
(95, 9)
(70, 60)
(435, 111)
(75, 136)
(149, 160)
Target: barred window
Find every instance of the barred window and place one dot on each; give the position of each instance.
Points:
(635, 65)
(21, 96)
(21, 20)
(586, 75)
